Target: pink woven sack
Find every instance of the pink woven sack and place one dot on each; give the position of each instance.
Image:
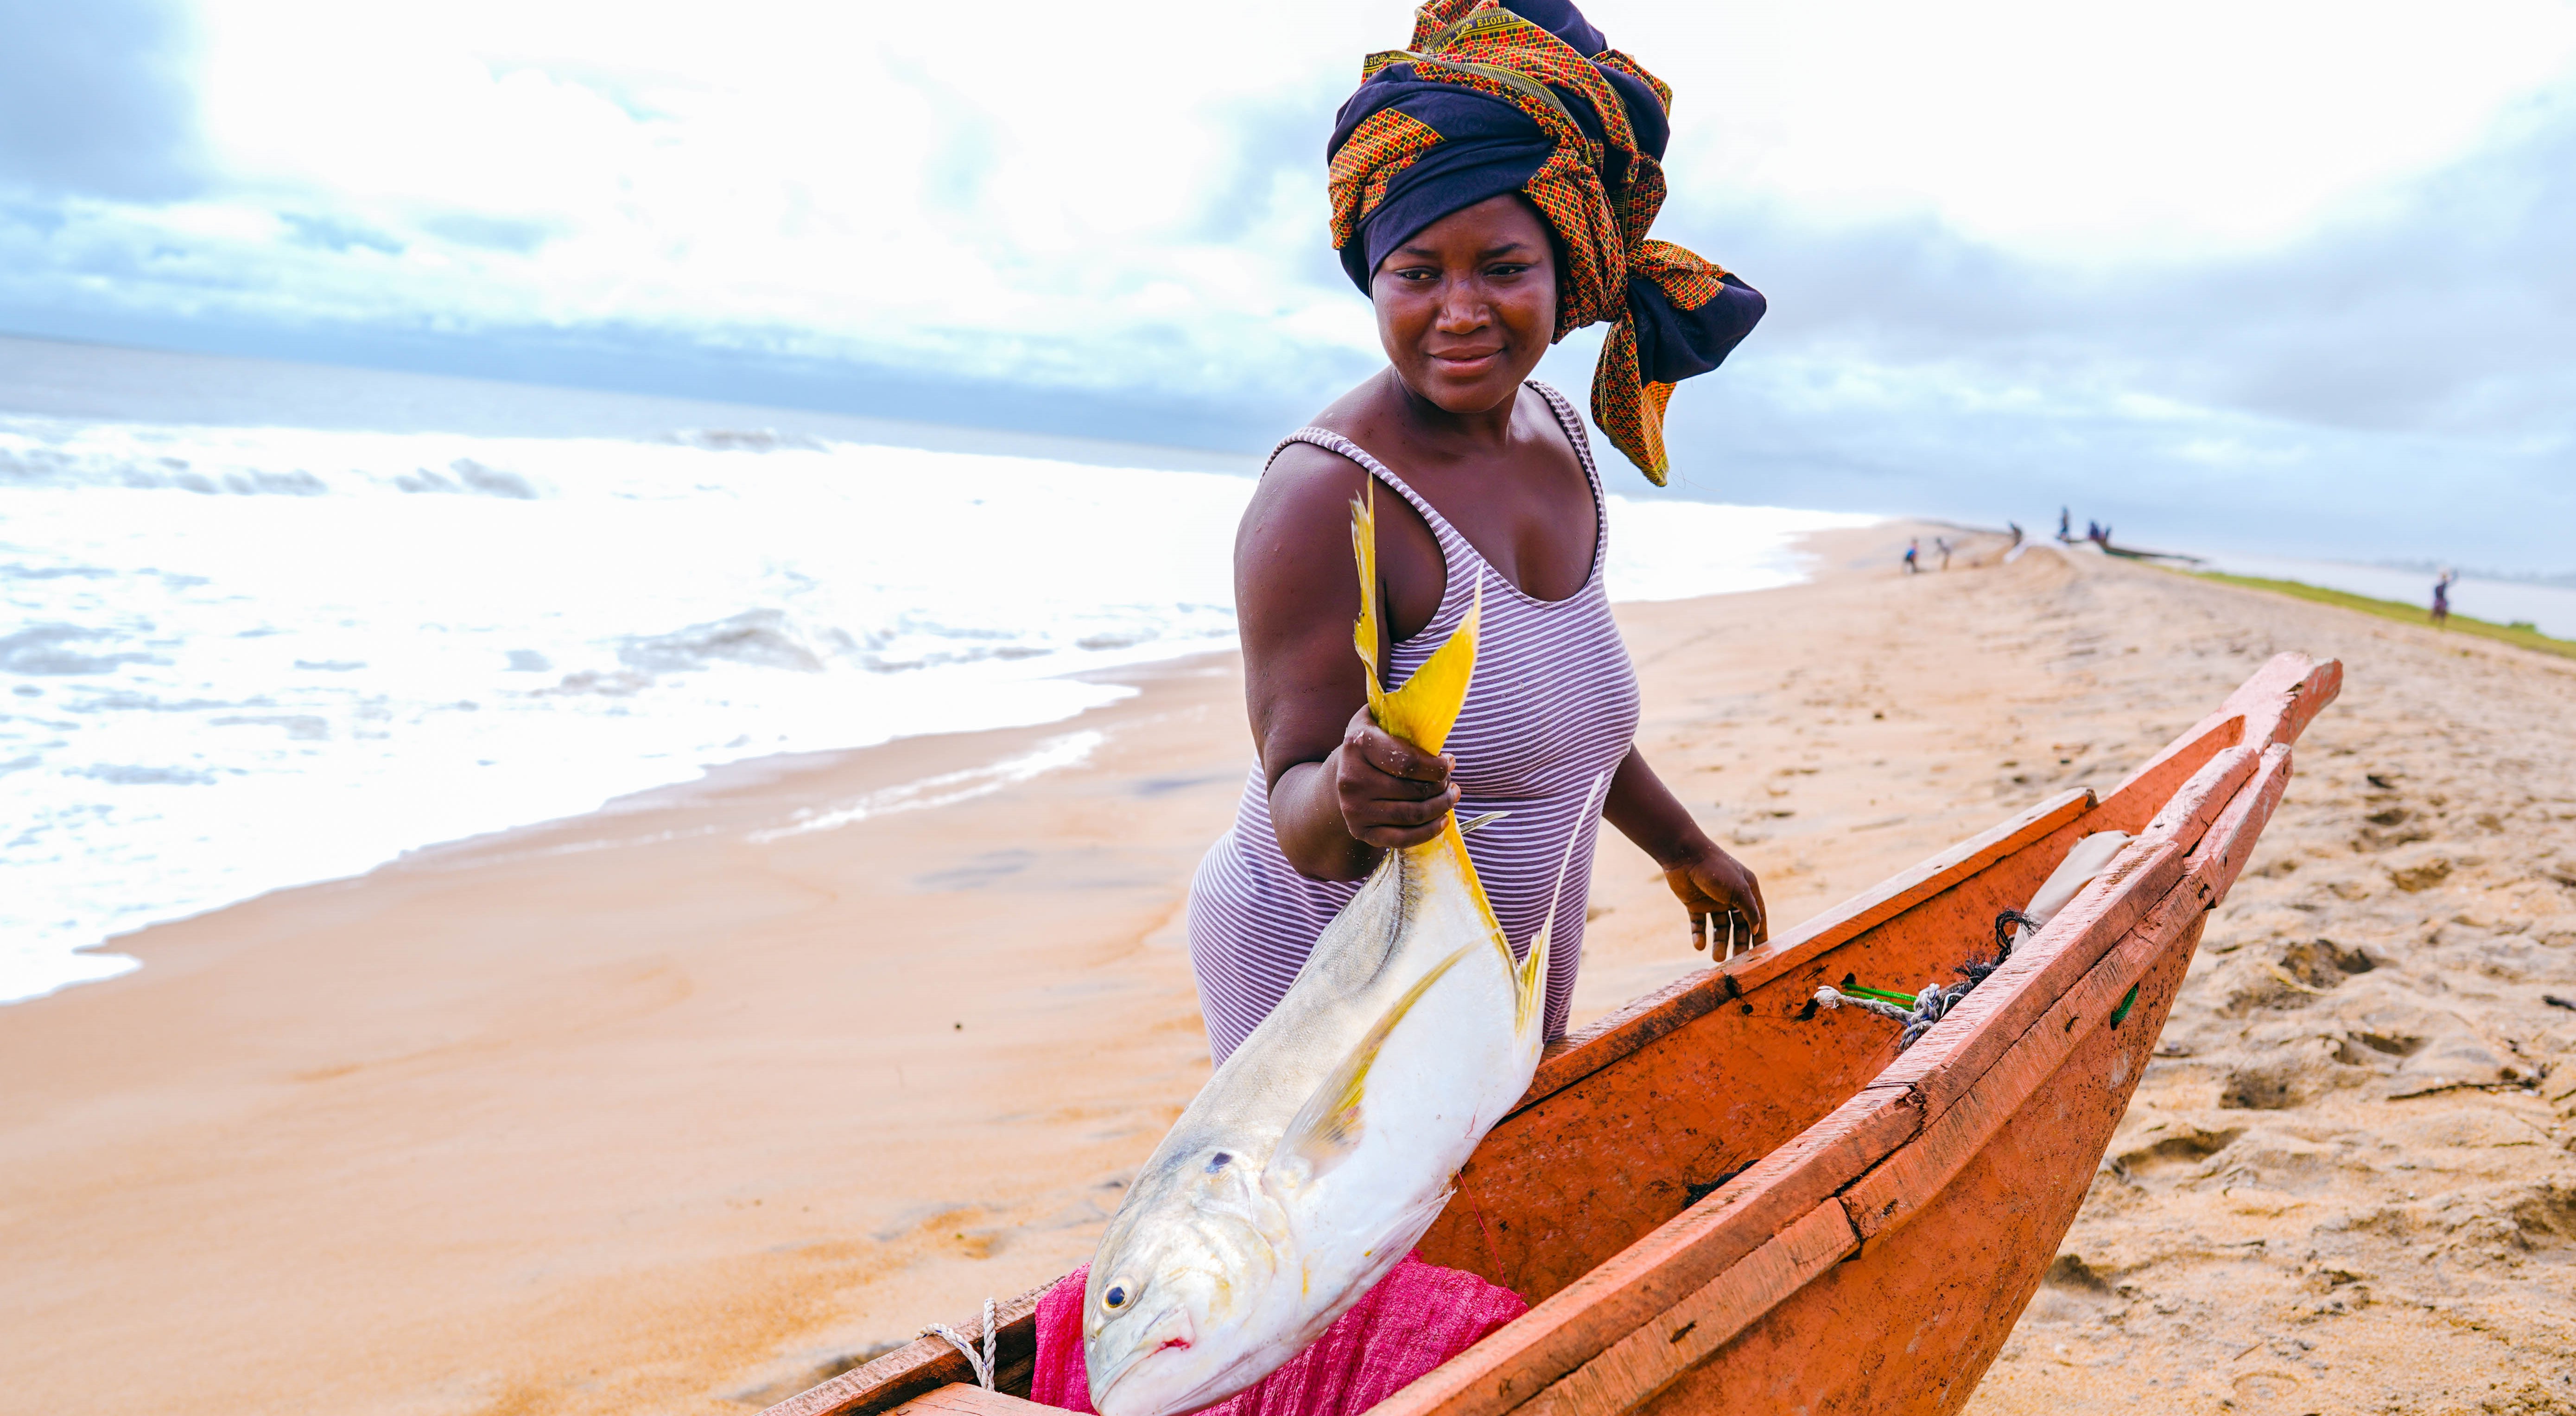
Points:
(1419, 1316)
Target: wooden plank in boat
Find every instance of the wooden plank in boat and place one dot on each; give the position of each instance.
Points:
(2273, 706)
(959, 1399)
(1649, 1359)
(2229, 843)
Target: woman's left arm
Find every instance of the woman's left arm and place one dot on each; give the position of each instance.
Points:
(1708, 880)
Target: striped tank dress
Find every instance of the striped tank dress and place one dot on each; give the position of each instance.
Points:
(1552, 704)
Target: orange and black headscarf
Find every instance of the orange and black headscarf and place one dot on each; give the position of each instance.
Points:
(1499, 96)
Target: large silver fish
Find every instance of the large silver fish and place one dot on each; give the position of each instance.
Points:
(1323, 1148)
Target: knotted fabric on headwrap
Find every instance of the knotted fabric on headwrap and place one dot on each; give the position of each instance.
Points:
(1500, 96)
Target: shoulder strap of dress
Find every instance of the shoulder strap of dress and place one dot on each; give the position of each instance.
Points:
(1575, 433)
(1338, 445)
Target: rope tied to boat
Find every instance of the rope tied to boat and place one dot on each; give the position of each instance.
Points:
(1935, 1001)
(982, 1364)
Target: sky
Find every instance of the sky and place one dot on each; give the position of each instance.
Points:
(2285, 276)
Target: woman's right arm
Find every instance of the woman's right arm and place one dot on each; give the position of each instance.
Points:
(1341, 791)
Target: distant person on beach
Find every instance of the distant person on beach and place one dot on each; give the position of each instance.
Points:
(2065, 526)
(1482, 223)
(2015, 528)
(2442, 597)
(1913, 556)
(1942, 544)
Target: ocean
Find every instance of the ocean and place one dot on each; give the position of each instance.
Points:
(268, 624)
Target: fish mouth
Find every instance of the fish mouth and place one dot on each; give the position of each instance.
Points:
(1171, 1332)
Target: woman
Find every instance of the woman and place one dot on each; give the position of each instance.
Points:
(1492, 188)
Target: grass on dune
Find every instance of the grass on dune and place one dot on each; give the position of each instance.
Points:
(2521, 634)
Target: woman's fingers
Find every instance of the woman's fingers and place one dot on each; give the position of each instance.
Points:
(1393, 794)
(1392, 755)
(1723, 899)
(1744, 895)
(1388, 838)
(1391, 824)
(1404, 814)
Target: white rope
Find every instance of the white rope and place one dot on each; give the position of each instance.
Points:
(983, 1364)
(1936, 1000)
(1832, 997)
(1929, 1006)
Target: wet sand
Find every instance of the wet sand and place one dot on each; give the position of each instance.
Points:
(658, 1110)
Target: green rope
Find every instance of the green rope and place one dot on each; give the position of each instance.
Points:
(2120, 1014)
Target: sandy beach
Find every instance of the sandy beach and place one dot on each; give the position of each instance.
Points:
(688, 1103)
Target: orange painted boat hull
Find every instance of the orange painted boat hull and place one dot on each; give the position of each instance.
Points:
(1720, 1199)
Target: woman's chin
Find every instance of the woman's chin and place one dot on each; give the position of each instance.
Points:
(1479, 391)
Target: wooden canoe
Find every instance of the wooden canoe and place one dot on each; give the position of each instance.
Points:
(1721, 1199)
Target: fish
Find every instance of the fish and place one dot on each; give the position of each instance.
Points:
(1310, 1163)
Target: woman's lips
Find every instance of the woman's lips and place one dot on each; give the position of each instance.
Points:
(1467, 363)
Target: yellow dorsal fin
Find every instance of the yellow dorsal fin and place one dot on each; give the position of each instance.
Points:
(1427, 707)
(1530, 977)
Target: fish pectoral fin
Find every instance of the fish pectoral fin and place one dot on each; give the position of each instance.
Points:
(1410, 1225)
(1329, 1126)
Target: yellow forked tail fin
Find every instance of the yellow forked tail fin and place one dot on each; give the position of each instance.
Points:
(1427, 707)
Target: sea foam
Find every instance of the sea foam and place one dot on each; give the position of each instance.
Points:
(238, 659)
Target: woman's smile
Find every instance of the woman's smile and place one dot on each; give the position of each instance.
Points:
(1467, 362)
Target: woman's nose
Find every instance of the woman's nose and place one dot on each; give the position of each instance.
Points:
(1462, 310)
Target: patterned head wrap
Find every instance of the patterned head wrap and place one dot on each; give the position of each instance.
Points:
(1499, 96)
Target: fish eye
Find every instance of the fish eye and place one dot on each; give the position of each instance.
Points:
(1116, 1297)
(1218, 1162)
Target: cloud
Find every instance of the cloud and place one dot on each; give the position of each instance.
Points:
(96, 98)
(2015, 252)
(2395, 380)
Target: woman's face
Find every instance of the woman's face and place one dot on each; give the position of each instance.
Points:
(1467, 306)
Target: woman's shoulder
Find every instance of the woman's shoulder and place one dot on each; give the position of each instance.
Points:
(1331, 468)
(1303, 472)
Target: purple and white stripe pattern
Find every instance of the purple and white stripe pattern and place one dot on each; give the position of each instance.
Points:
(1552, 705)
